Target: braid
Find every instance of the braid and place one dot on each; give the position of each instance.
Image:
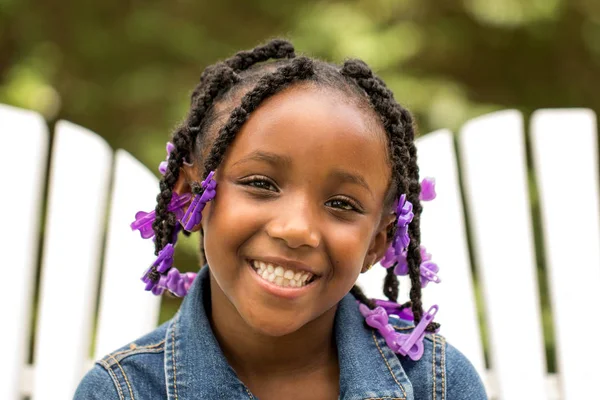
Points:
(215, 80)
(360, 296)
(398, 124)
(221, 78)
(242, 60)
(274, 49)
(299, 69)
(391, 285)
(161, 231)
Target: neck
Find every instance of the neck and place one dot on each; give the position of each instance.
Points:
(251, 353)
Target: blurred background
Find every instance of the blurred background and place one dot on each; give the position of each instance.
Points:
(125, 69)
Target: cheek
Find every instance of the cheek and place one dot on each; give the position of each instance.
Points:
(231, 221)
(348, 244)
(228, 222)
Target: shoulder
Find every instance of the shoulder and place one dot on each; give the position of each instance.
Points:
(442, 369)
(463, 381)
(97, 384)
(135, 370)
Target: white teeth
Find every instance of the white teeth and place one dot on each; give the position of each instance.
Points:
(289, 274)
(279, 276)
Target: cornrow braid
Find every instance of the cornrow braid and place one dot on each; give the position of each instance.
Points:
(242, 60)
(399, 127)
(299, 69)
(277, 48)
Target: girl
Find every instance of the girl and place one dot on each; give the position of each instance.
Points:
(308, 176)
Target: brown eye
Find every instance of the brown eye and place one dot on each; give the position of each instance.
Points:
(260, 183)
(344, 204)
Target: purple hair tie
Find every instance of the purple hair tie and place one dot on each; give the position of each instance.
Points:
(393, 308)
(428, 269)
(163, 262)
(162, 167)
(406, 344)
(395, 255)
(161, 275)
(193, 215)
(165, 259)
(405, 217)
(427, 189)
(401, 238)
(144, 220)
(175, 282)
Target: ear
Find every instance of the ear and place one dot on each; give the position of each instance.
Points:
(380, 242)
(187, 174)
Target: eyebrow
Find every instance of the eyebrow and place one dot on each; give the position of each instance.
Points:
(274, 159)
(279, 160)
(349, 177)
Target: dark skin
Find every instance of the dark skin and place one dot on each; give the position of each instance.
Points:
(305, 180)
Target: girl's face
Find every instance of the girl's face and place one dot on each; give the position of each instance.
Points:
(302, 187)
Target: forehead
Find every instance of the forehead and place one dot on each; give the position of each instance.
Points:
(320, 127)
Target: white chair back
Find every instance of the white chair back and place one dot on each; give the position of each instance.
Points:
(497, 197)
(497, 185)
(565, 144)
(76, 240)
(93, 194)
(24, 139)
(124, 302)
(77, 194)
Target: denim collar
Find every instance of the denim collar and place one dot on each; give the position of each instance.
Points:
(196, 368)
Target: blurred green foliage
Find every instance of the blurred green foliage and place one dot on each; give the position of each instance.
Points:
(125, 69)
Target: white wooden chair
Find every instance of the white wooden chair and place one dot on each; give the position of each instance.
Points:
(89, 185)
(494, 177)
(83, 204)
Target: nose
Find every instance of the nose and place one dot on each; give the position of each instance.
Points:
(295, 224)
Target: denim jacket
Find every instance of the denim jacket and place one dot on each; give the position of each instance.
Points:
(181, 360)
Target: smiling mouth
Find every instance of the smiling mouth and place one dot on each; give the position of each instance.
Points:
(280, 276)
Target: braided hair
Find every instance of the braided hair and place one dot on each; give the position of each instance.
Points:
(240, 84)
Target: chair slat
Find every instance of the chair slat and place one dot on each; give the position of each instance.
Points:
(124, 303)
(493, 163)
(24, 137)
(564, 144)
(443, 234)
(79, 177)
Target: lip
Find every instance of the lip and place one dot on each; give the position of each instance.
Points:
(279, 291)
(287, 264)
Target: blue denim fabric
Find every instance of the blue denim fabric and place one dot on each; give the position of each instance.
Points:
(181, 360)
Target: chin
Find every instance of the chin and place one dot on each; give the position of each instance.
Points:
(273, 323)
